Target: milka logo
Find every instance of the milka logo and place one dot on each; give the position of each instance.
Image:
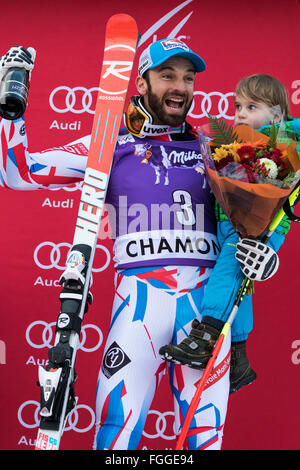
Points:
(164, 160)
(162, 21)
(184, 157)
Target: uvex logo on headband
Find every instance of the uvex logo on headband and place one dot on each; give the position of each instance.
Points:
(174, 43)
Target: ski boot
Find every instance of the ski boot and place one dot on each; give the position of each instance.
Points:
(195, 350)
(240, 370)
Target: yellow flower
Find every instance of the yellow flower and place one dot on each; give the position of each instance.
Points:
(227, 149)
(220, 153)
(233, 147)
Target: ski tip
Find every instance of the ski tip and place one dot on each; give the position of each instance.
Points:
(121, 18)
(122, 24)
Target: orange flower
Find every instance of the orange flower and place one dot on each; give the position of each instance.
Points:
(257, 144)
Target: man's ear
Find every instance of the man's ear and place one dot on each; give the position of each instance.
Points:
(141, 85)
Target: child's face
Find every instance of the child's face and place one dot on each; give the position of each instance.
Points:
(253, 113)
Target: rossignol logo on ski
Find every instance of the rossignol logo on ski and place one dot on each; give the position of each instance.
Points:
(117, 70)
(63, 320)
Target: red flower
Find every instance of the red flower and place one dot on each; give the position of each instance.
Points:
(276, 156)
(224, 162)
(277, 151)
(267, 154)
(249, 172)
(246, 152)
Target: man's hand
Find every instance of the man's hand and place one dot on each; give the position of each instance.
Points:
(17, 56)
(259, 261)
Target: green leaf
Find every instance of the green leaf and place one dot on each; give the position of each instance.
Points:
(272, 142)
(221, 132)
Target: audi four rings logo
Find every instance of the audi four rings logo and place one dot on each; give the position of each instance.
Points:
(160, 425)
(28, 416)
(74, 422)
(79, 100)
(71, 97)
(71, 188)
(48, 255)
(39, 334)
(215, 103)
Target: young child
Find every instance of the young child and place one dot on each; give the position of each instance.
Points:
(260, 101)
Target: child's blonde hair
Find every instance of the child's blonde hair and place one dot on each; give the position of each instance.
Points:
(265, 88)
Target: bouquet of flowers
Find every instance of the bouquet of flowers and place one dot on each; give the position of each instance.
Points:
(250, 174)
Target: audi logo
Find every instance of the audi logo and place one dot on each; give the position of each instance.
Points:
(25, 416)
(71, 97)
(28, 416)
(71, 188)
(48, 255)
(160, 425)
(79, 100)
(209, 105)
(39, 334)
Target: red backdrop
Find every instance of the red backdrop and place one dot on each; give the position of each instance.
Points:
(37, 227)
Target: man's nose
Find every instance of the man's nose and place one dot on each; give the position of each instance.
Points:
(180, 85)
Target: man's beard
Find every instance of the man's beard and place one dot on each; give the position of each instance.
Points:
(158, 112)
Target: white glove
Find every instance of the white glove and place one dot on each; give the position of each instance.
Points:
(259, 261)
(17, 56)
